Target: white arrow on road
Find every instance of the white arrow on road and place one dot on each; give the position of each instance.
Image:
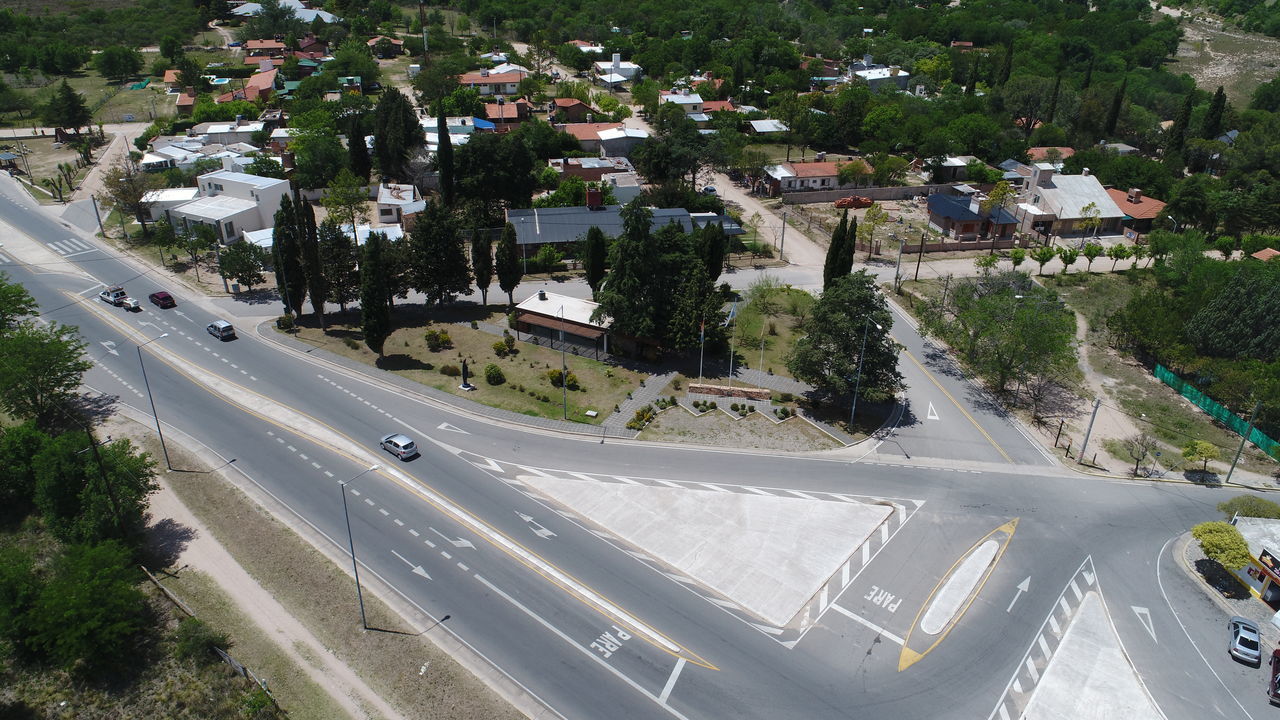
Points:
(182, 315)
(1023, 586)
(932, 414)
(417, 569)
(451, 428)
(459, 543)
(1144, 617)
(538, 529)
(110, 346)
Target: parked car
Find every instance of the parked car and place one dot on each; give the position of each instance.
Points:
(114, 295)
(221, 329)
(1273, 685)
(709, 190)
(129, 303)
(162, 300)
(400, 446)
(1246, 644)
(233, 43)
(854, 201)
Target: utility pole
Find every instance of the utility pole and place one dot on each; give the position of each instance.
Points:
(97, 214)
(564, 368)
(920, 256)
(422, 20)
(1097, 402)
(782, 237)
(1244, 439)
(897, 271)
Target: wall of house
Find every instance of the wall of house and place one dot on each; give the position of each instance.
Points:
(228, 229)
(875, 193)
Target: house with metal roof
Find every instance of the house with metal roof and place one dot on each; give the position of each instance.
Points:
(1054, 204)
(536, 227)
(962, 218)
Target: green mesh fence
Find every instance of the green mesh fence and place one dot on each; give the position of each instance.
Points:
(1216, 411)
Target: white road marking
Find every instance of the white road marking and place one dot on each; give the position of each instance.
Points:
(619, 478)
(446, 555)
(303, 456)
(315, 464)
(428, 543)
(1044, 646)
(671, 681)
(932, 414)
(1144, 617)
(844, 574)
(383, 511)
(464, 568)
(709, 486)
(291, 448)
(413, 532)
(866, 554)
(1075, 590)
(397, 522)
(1053, 623)
(328, 474)
(368, 501)
(1031, 669)
(867, 623)
(884, 533)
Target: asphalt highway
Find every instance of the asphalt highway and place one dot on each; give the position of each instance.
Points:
(593, 630)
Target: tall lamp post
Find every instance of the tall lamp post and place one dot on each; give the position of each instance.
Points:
(1172, 220)
(564, 367)
(351, 543)
(146, 383)
(857, 383)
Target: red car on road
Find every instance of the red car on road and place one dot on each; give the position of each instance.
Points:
(162, 299)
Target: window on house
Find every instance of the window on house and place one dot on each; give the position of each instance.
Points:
(387, 212)
(231, 230)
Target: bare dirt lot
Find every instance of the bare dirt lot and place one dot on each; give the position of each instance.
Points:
(753, 431)
(1216, 55)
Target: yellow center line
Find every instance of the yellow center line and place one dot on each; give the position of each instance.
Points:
(642, 631)
(958, 405)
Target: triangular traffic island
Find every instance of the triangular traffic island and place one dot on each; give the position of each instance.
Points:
(1090, 676)
(768, 554)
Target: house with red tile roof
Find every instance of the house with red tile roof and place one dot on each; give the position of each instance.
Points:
(1039, 154)
(588, 134)
(794, 177)
(1139, 211)
(258, 60)
(569, 109)
(487, 83)
(396, 44)
(171, 79)
(506, 116)
(710, 106)
(186, 102)
(309, 43)
(258, 87)
(1266, 254)
(269, 48)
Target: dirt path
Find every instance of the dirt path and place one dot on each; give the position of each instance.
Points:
(203, 553)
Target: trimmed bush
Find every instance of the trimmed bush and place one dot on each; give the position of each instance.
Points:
(509, 341)
(1223, 543)
(493, 374)
(499, 349)
(285, 322)
(450, 370)
(438, 340)
(351, 343)
(1250, 506)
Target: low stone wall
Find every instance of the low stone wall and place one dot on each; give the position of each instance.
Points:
(875, 193)
(961, 245)
(760, 394)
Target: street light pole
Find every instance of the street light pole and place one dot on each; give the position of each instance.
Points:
(564, 367)
(857, 383)
(152, 398)
(1174, 221)
(351, 543)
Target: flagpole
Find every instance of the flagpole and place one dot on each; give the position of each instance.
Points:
(702, 345)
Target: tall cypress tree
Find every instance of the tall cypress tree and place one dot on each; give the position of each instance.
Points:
(357, 151)
(1006, 67)
(835, 251)
(438, 268)
(713, 245)
(508, 262)
(286, 250)
(1117, 102)
(1211, 128)
(1053, 99)
(850, 243)
(1088, 77)
(482, 263)
(313, 267)
(375, 314)
(338, 256)
(1178, 132)
(595, 253)
(395, 133)
(444, 160)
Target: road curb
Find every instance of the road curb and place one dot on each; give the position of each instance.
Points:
(1180, 546)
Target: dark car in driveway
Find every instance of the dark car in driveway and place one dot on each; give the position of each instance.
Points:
(162, 299)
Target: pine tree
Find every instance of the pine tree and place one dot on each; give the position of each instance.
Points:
(713, 245)
(395, 133)
(375, 314)
(850, 244)
(508, 262)
(313, 266)
(286, 252)
(66, 109)
(357, 151)
(629, 296)
(835, 251)
(1178, 132)
(1053, 100)
(1211, 128)
(338, 254)
(444, 161)
(595, 253)
(1117, 102)
(482, 263)
(1088, 77)
(1006, 67)
(439, 267)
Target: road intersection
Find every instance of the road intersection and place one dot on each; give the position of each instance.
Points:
(526, 540)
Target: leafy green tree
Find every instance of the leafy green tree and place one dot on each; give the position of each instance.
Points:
(243, 262)
(274, 18)
(15, 304)
(1117, 103)
(1118, 252)
(41, 372)
(1201, 452)
(1017, 256)
(875, 216)
(836, 251)
(1068, 255)
(495, 169)
(357, 150)
(66, 109)
(19, 588)
(507, 262)
(19, 445)
(396, 133)
(171, 47)
(595, 254)
(318, 154)
(266, 166)
(91, 602)
(1090, 219)
(1223, 543)
(84, 502)
(312, 266)
(1176, 138)
(713, 246)
(482, 263)
(375, 293)
(1238, 319)
(347, 199)
(126, 187)
(444, 161)
(1250, 506)
(353, 58)
(829, 355)
(697, 305)
(439, 269)
(629, 295)
(338, 255)
(1266, 97)
(196, 241)
(1092, 251)
(117, 64)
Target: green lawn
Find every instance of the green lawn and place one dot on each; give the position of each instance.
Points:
(111, 102)
(527, 389)
(767, 326)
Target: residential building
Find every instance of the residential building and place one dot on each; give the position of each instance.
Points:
(259, 86)
(159, 202)
(1139, 211)
(1266, 254)
(570, 110)
(1121, 148)
(1054, 204)
(267, 48)
(186, 102)
(561, 318)
(488, 83)
(591, 169)
(690, 103)
(953, 168)
(711, 106)
(396, 201)
(795, 177)
(615, 71)
(239, 131)
(300, 9)
(587, 47)
(263, 62)
(309, 43)
(961, 218)
(541, 226)
(232, 202)
(1042, 154)
(879, 78)
(767, 127)
(397, 45)
(588, 134)
(172, 80)
(621, 141)
(507, 115)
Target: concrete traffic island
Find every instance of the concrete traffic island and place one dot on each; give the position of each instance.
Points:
(1090, 677)
(768, 554)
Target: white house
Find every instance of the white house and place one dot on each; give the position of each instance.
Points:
(300, 11)
(880, 77)
(691, 103)
(240, 131)
(1054, 204)
(159, 202)
(620, 141)
(396, 201)
(232, 202)
(491, 83)
(626, 70)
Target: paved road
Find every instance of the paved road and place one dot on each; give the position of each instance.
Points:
(577, 618)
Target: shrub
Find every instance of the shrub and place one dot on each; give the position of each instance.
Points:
(571, 381)
(509, 341)
(499, 348)
(285, 322)
(475, 325)
(493, 374)
(642, 417)
(196, 640)
(556, 377)
(1250, 506)
(351, 343)
(1223, 543)
(450, 370)
(713, 405)
(751, 409)
(733, 407)
(785, 397)
(438, 340)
